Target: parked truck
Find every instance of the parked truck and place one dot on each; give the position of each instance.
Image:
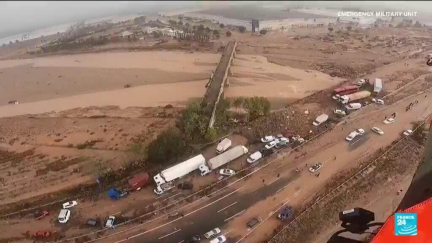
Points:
(345, 99)
(138, 181)
(223, 159)
(163, 179)
(223, 146)
(378, 85)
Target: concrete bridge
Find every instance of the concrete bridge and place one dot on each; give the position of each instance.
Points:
(218, 80)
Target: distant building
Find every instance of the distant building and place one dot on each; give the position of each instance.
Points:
(126, 34)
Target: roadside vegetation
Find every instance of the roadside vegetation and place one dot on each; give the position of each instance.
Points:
(192, 129)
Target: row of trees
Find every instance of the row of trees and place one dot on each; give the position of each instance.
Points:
(192, 128)
(255, 106)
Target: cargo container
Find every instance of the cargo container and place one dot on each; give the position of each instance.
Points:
(223, 159)
(356, 96)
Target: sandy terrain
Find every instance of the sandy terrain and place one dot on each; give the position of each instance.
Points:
(254, 75)
(61, 76)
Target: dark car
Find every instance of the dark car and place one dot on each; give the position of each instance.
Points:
(185, 186)
(253, 222)
(93, 222)
(286, 213)
(267, 152)
(193, 239)
(41, 214)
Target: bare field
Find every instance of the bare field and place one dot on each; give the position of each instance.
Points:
(62, 76)
(49, 153)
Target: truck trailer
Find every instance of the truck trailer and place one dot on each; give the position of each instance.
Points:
(356, 96)
(223, 159)
(179, 170)
(378, 85)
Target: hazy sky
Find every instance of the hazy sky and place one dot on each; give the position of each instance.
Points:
(18, 17)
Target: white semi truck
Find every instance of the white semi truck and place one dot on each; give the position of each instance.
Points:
(222, 159)
(163, 179)
(356, 96)
(378, 86)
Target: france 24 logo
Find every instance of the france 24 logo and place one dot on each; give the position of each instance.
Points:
(405, 224)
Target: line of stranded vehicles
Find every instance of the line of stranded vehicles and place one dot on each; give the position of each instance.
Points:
(225, 155)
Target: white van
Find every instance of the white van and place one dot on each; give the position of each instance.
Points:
(64, 216)
(223, 146)
(353, 106)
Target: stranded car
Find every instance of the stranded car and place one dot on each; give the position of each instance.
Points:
(340, 112)
(354, 134)
(41, 214)
(267, 139)
(110, 222)
(286, 213)
(69, 204)
(378, 101)
(64, 216)
(212, 233)
(315, 167)
(254, 157)
(252, 223)
(389, 121)
(270, 145)
(219, 239)
(377, 130)
(42, 234)
(193, 239)
(407, 132)
(227, 172)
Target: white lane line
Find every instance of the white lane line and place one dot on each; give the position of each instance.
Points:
(297, 193)
(262, 221)
(181, 241)
(169, 234)
(226, 207)
(117, 213)
(162, 225)
(362, 138)
(237, 214)
(162, 196)
(273, 181)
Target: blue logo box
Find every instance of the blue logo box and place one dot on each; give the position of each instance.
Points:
(405, 224)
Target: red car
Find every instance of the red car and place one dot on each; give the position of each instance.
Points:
(42, 234)
(41, 214)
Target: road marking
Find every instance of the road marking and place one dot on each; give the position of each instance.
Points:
(162, 196)
(226, 207)
(273, 181)
(170, 222)
(297, 193)
(262, 221)
(169, 234)
(358, 140)
(181, 241)
(237, 214)
(117, 213)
